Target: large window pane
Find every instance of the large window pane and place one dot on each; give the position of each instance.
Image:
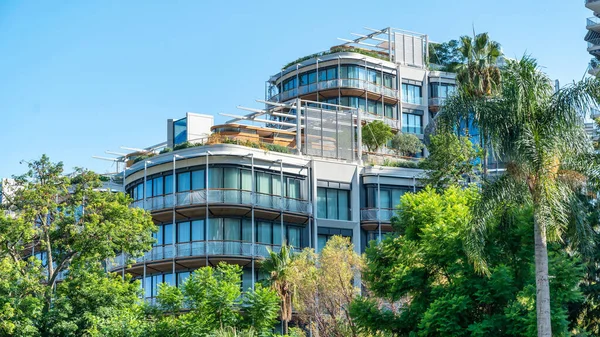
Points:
(232, 178)
(277, 233)
(344, 205)
(396, 195)
(246, 180)
(232, 229)
(215, 229)
(332, 204)
(148, 188)
(168, 234)
(321, 241)
(183, 232)
(157, 186)
(276, 185)
(197, 230)
(264, 232)
(169, 279)
(183, 182)
(263, 183)
(169, 184)
(198, 180)
(140, 191)
(294, 234)
(247, 230)
(182, 277)
(158, 236)
(215, 177)
(294, 188)
(321, 203)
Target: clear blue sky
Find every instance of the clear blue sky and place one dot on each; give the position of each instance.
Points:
(81, 77)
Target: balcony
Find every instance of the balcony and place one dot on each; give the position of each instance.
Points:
(414, 129)
(593, 24)
(377, 215)
(196, 249)
(334, 84)
(224, 196)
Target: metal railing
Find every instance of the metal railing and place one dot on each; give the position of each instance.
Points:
(195, 249)
(375, 214)
(333, 84)
(223, 196)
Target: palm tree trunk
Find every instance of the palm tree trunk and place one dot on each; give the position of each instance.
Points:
(544, 327)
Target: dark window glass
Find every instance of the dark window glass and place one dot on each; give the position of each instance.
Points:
(197, 230)
(157, 186)
(169, 184)
(215, 177)
(215, 229)
(183, 182)
(198, 180)
(183, 232)
(168, 234)
(180, 131)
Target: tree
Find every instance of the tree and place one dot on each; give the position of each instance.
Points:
(324, 289)
(406, 144)
(56, 222)
(424, 285)
(478, 75)
(279, 267)
(376, 134)
(452, 160)
(446, 54)
(540, 136)
(215, 304)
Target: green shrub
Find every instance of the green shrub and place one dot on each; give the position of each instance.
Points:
(401, 163)
(166, 150)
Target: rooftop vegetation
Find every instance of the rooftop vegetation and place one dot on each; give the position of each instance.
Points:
(339, 49)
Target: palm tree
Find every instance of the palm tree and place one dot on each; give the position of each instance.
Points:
(549, 159)
(279, 267)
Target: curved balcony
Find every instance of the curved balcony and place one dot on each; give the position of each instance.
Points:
(224, 196)
(334, 84)
(200, 249)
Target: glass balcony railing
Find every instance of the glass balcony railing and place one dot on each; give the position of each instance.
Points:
(416, 129)
(437, 101)
(333, 84)
(223, 196)
(376, 214)
(196, 249)
(593, 21)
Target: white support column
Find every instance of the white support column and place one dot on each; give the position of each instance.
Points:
(359, 136)
(378, 209)
(313, 182)
(299, 125)
(206, 210)
(174, 186)
(282, 200)
(253, 224)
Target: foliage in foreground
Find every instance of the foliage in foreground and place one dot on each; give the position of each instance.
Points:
(375, 134)
(424, 284)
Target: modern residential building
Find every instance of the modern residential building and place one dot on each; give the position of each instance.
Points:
(294, 171)
(593, 36)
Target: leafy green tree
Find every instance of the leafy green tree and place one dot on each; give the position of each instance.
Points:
(539, 135)
(452, 160)
(446, 54)
(424, 285)
(406, 144)
(478, 75)
(279, 267)
(214, 305)
(261, 309)
(324, 287)
(376, 134)
(68, 222)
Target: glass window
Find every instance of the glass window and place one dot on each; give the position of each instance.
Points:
(168, 234)
(246, 279)
(158, 236)
(232, 178)
(332, 73)
(140, 191)
(197, 230)
(157, 186)
(215, 229)
(411, 93)
(276, 185)
(169, 279)
(293, 188)
(247, 230)
(215, 177)
(263, 183)
(388, 80)
(321, 203)
(182, 277)
(312, 77)
(321, 241)
(232, 229)
(332, 204)
(304, 79)
(148, 286)
(183, 182)
(412, 123)
(277, 233)
(183, 232)
(246, 180)
(168, 184)
(344, 205)
(264, 232)
(198, 180)
(149, 188)
(396, 195)
(293, 237)
(180, 131)
(389, 110)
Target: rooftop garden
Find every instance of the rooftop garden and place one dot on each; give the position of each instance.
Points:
(339, 49)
